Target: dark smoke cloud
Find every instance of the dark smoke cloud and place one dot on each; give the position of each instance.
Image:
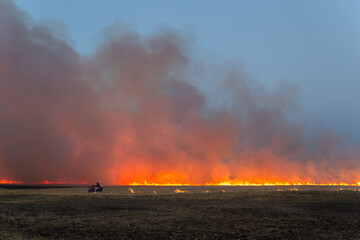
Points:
(132, 112)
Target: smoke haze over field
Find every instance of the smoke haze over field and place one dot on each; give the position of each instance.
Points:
(133, 112)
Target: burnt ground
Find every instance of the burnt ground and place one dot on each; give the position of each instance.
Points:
(233, 214)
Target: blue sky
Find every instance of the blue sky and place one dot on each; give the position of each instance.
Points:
(314, 44)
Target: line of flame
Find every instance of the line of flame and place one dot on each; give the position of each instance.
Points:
(227, 183)
(10, 181)
(145, 183)
(5, 181)
(61, 182)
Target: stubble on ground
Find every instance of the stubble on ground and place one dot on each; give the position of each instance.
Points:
(197, 213)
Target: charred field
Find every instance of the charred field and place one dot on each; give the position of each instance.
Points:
(195, 212)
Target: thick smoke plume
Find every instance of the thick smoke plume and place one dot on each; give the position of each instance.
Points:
(133, 112)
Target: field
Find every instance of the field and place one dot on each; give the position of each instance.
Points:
(208, 212)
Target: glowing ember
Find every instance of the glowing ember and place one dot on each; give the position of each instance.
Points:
(179, 191)
(131, 190)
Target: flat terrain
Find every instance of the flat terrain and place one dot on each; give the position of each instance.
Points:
(301, 212)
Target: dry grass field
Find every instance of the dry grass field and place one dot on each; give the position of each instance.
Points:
(196, 213)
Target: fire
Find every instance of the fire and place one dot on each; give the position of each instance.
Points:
(136, 110)
(258, 182)
(4, 181)
(131, 190)
(182, 180)
(10, 181)
(244, 183)
(179, 191)
(145, 183)
(62, 182)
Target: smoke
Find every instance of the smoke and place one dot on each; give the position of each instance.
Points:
(134, 111)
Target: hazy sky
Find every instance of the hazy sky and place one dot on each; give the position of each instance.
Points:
(314, 44)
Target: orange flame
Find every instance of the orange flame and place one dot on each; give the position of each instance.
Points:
(126, 112)
(4, 181)
(220, 183)
(245, 183)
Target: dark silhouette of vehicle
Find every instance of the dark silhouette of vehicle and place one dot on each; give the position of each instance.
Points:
(96, 188)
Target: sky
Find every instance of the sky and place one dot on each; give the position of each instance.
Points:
(313, 44)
